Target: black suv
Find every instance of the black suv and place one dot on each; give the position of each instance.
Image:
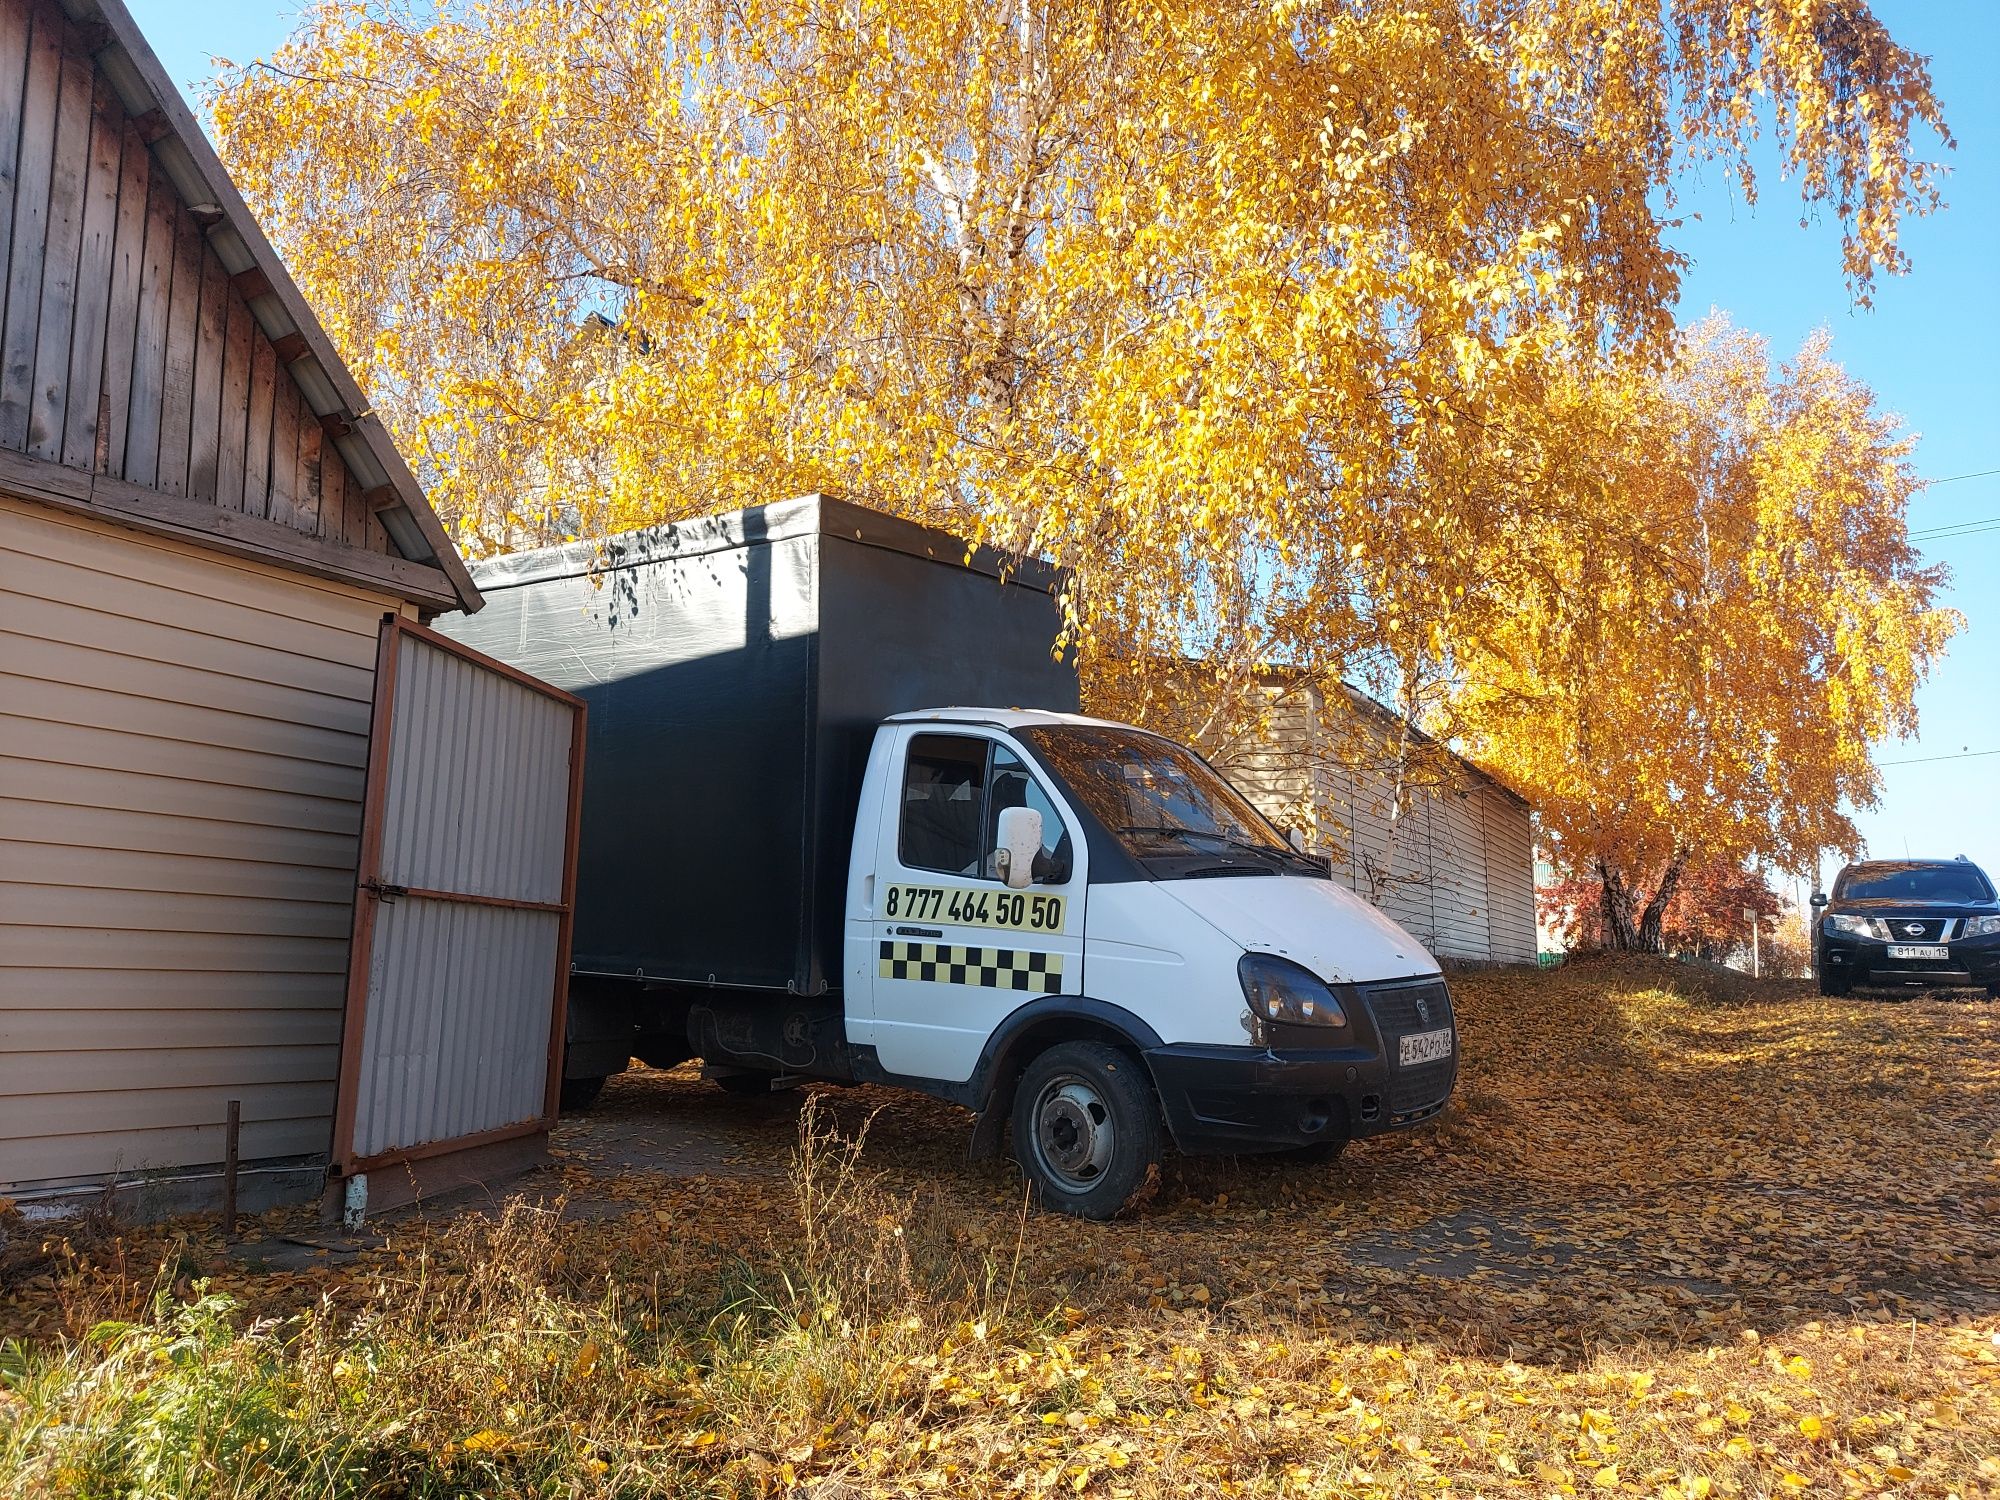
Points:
(1908, 921)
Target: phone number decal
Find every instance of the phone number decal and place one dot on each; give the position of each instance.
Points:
(968, 908)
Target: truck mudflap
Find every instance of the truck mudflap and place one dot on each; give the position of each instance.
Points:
(1221, 1100)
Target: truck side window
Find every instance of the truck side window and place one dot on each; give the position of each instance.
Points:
(944, 804)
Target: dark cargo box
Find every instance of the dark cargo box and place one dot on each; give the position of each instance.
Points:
(735, 669)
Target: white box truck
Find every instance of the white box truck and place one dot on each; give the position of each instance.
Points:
(798, 862)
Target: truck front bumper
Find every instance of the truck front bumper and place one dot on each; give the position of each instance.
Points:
(1223, 1100)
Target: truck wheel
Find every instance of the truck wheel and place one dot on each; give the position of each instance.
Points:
(578, 1094)
(1086, 1128)
(1835, 985)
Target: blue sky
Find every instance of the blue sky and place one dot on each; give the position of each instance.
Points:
(1930, 347)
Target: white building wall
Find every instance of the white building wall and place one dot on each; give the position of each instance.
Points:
(1454, 863)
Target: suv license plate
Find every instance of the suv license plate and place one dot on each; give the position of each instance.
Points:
(1898, 950)
(1424, 1047)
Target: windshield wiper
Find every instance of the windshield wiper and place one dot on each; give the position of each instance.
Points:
(1268, 851)
(1168, 830)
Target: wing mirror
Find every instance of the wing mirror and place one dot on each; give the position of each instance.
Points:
(1819, 898)
(1296, 839)
(1020, 840)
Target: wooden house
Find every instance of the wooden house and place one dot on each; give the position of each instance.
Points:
(202, 529)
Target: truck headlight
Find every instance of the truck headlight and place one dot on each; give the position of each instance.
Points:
(1980, 926)
(1280, 990)
(1848, 926)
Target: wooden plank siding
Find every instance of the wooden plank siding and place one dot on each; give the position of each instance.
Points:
(1453, 863)
(183, 741)
(29, 245)
(55, 313)
(125, 348)
(139, 459)
(128, 262)
(73, 434)
(177, 379)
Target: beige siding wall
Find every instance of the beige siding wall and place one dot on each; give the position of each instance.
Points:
(182, 745)
(1455, 866)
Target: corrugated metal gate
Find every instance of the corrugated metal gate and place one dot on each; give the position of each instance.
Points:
(460, 959)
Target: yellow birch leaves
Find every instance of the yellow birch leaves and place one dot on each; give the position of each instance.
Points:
(1248, 313)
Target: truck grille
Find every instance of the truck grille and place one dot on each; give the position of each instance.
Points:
(1410, 1007)
(1398, 1010)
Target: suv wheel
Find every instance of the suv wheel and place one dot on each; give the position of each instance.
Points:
(1086, 1129)
(1834, 984)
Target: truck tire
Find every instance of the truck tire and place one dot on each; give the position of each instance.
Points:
(578, 1094)
(1834, 985)
(1086, 1129)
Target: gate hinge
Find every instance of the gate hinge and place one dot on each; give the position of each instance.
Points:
(383, 891)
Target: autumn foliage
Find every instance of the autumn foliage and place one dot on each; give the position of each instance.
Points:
(1700, 685)
(1320, 334)
(1703, 918)
(1678, 1237)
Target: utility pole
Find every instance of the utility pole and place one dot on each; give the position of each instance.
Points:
(1756, 958)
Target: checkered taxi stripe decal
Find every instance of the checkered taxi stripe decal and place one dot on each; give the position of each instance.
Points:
(990, 968)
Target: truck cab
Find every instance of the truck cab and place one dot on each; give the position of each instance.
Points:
(1080, 929)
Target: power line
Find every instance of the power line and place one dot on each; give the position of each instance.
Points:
(1960, 528)
(1954, 478)
(1925, 761)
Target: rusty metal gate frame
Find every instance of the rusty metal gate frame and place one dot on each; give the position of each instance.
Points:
(370, 893)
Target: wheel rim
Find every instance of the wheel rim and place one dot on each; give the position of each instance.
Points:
(1075, 1138)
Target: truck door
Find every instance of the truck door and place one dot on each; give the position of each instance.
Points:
(955, 950)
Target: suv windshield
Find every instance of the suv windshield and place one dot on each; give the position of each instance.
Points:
(1158, 799)
(1900, 882)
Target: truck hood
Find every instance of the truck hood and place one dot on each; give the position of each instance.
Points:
(1318, 923)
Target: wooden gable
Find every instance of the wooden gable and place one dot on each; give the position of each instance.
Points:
(129, 351)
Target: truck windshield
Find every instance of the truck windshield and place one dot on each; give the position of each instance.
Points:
(1158, 799)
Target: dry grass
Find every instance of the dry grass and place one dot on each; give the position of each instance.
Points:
(1678, 1236)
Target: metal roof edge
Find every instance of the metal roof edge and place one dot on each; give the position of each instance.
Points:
(697, 536)
(811, 514)
(1368, 704)
(331, 393)
(874, 528)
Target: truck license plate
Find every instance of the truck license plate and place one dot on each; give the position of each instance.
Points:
(1898, 950)
(1423, 1047)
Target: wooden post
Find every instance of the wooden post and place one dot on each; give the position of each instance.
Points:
(230, 1133)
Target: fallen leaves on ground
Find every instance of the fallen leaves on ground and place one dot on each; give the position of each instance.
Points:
(1680, 1235)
